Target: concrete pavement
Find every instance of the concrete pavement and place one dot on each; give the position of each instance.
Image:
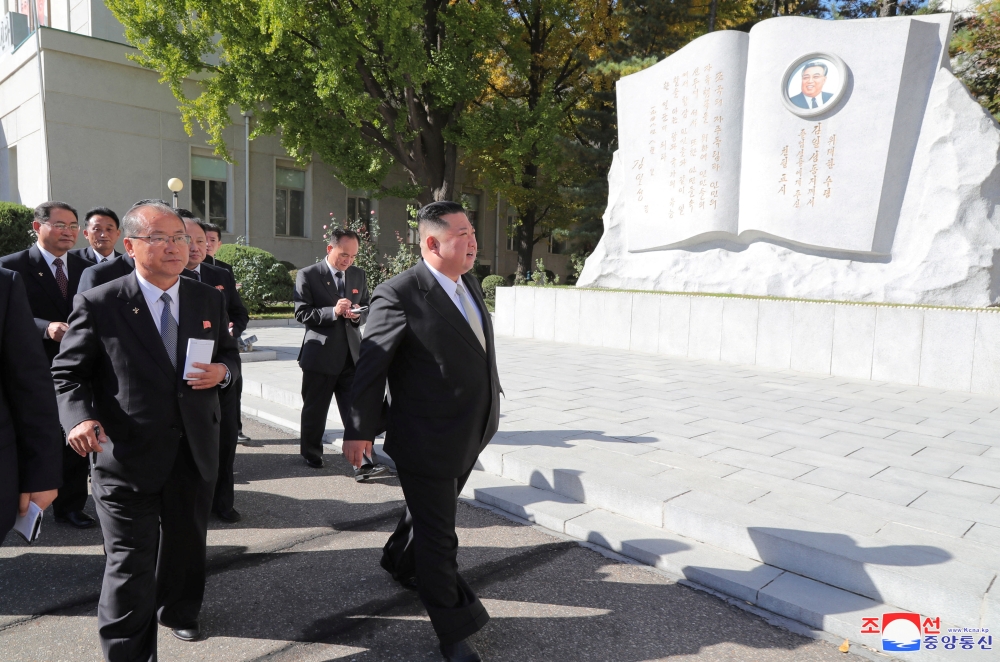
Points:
(298, 581)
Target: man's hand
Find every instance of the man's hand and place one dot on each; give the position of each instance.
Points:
(214, 373)
(41, 499)
(343, 307)
(355, 451)
(230, 333)
(83, 440)
(57, 330)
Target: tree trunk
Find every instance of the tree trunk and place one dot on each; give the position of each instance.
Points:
(887, 8)
(711, 15)
(525, 243)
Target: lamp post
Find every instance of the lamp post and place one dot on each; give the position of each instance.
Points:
(176, 186)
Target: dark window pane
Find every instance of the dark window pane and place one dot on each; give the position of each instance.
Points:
(217, 202)
(198, 198)
(296, 212)
(352, 209)
(280, 210)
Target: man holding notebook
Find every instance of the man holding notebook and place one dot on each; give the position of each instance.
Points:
(151, 429)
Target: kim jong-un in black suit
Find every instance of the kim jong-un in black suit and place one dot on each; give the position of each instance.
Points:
(31, 442)
(429, 335)
(155, 471)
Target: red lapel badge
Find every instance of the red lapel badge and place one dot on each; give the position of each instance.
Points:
(220, 287)
(206, 325)
(354, 291)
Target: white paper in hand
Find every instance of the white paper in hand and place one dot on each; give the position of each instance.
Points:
(198, 351)
(29, 526)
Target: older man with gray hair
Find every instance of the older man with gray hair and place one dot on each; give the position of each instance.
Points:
(150, 427)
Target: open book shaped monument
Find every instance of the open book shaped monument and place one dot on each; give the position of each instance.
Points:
(797, 160)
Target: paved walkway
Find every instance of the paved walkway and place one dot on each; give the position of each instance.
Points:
(298, 581)
(887, 492)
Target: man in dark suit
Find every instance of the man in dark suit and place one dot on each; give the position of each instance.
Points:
(325, 294)
(152, 429)
(31, 442)
(229, 397)
(214, 236)
(99, 274)
(101, 229)
(813, 80)
(429, 334)
(51, 276)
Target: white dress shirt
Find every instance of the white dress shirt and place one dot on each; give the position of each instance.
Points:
(152, 295)
(50, 258)
(451, 289)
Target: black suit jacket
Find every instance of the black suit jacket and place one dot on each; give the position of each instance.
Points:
(31, 442)
(90, 255)
(445, 388)
(223, 281)
(327, 340)
(219, 263)
(113, 368)
(47, 302)
(99, 274)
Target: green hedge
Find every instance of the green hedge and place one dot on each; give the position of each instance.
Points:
(490, 285)
(15, 227)
(262, 278)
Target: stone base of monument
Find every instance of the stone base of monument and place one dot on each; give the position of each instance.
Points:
(943, 348)
(258, 355)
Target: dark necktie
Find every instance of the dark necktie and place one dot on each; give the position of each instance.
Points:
(103, 260)
(168, 330)
(340, 283)
(61, 279)
(197, 274)
(814, 102)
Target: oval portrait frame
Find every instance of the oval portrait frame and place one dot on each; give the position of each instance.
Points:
(834, 100)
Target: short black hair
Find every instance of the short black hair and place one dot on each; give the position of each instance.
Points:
(44, 211)
(103, 211)
(429, 216)
(816, 63)
(183, 213)
(211, 227)
(339, 233)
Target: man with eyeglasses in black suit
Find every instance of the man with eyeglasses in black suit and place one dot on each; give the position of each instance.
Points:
(51, 275)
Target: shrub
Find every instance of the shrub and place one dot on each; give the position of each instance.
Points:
(288, 265)
(490, 285)
(262, 279)
(15, 227)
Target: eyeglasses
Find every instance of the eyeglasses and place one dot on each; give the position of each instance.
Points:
(162, 239)
(62, 227)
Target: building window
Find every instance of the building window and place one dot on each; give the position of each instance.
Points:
(511, 218)
(359, 208)
(555, 246)
(289, 202)
(471, 203)
(209, 195)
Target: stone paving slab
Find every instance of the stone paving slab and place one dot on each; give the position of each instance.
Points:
(908, 473)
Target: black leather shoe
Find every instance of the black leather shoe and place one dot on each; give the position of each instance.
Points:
(314, 462)
(77, 519)
(242, 438)
(232, 516)
(192, 633)
(462, 651)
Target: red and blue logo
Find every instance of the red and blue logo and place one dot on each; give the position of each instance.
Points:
(901, 632)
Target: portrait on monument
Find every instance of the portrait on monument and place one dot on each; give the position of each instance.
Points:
(814, 84)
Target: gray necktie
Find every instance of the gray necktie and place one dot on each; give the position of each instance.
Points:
(470, 312)
(814, 101)
(168, 330)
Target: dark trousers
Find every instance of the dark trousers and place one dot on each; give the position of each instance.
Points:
(229, 428)
(155, 569)
(425, 544)
(318, 389)
(73, 493)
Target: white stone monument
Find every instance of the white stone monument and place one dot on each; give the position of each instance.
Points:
(836, 160)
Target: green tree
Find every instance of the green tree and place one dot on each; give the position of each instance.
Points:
(365, 84)
(519, 134)
(976, 52)
(15, 227)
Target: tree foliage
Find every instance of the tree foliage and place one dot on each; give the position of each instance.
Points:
(976, 52)
(364, 84)
(15, 227)
(262, 279)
